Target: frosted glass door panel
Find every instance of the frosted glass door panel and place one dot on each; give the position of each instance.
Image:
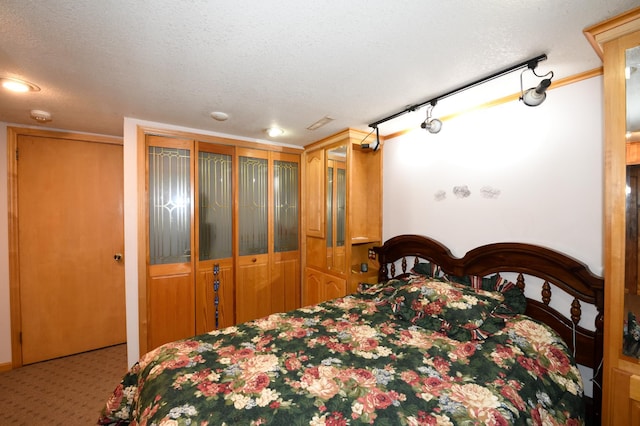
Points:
(329, 207)
(285, 184)
(252, 205)
(215, 199)
(341, 207)
(169, 205)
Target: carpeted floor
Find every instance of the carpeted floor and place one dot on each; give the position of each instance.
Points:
(65, 391)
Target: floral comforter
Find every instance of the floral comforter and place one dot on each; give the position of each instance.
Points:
(356, 360)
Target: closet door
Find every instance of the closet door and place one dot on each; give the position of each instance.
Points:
(214, 239)
(253, 290)
(170, 266)
(285, 271)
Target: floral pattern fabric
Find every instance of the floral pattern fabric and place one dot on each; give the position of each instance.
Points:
(351, 361)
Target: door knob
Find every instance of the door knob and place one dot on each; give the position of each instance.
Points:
(117, 257)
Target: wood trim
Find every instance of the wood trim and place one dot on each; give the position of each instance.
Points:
(608, 30)
(66, 135)
(14, 260)
(513, 97)
(142, 239)
(5, 366)
(219, 140)
(12, 188)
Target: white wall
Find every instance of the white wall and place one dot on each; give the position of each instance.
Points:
(546, 162)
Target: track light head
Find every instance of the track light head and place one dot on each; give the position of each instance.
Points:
(432, 125)
(535, 96)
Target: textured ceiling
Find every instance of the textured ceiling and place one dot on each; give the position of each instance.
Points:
(282, 62)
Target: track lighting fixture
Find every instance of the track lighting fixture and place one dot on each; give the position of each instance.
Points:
(535, 96)
(375, 145)
(433, 125)
(531, 97)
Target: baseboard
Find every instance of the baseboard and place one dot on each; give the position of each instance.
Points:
(5, 366)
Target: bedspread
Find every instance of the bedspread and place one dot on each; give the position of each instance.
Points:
(351, 361)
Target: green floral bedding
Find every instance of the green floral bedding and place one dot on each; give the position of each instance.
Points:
(386, 355)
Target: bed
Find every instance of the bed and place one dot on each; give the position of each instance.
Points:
(439, 340)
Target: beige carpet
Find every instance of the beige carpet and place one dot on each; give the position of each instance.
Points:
(64, 391)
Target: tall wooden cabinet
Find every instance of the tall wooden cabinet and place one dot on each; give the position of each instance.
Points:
(617, 42)
(342, 215)
(219, 230)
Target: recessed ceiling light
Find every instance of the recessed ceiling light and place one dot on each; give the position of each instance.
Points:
(219, 116)
(16, 85)
(274, 132)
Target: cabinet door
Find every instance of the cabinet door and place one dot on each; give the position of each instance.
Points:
(253, 287)
(314, 193)
(320, 286)
(214, 239)
(285, 269)
(170, 288)
(333, 287)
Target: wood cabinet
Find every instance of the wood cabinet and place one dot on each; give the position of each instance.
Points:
(322, 286)
(617, 42)
(342, 215)
(220, 229)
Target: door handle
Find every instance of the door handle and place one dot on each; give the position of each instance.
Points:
(117, 257)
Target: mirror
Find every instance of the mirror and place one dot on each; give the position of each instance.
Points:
(631, 340)
(336, 205)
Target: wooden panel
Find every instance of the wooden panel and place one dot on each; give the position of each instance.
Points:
(253, 288)
(316, 252)
(170, 306)
(333, 287)
(633, 153)
(314, 193)
(620, 412)
(312, 285)
(634, 387)
(205, 295)
(365, 195)
(285, 278)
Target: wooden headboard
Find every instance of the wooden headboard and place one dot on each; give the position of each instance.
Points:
(399, 254)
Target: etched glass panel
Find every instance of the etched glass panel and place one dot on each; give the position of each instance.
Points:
(341, 204)
(215, 209)
(285, 193)
(252, 206)
(329, 207)
(169, 205)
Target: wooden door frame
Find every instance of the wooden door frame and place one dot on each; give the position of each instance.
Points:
(14, 255)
